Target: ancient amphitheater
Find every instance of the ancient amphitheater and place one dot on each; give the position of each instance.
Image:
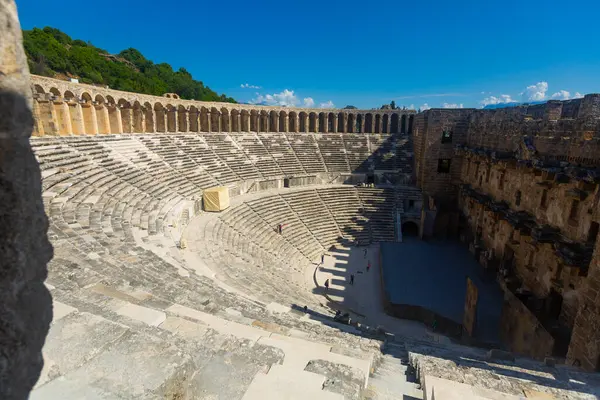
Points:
(154, 297)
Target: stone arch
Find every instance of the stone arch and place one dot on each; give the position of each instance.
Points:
(411, 120)
(369, 123)
(403, 124)
(193, 116)
(215, 120)
(204, 120)
(38, 91)
(235, 120)
(160, 112)
(69, 96)
(394, 123)
(225, 121)
(99, 99)
(359, 123)
(410, 228)
(385, 123)
(351, 124)
(302, 123)
(312, 122)
(149, 118)
(282, 121)
(254, 120)
(331, 123)
(55, 92)
(293, 122)
(273, 121)
(182, 119)
(137, 118)
(263, 122)
(322, 122)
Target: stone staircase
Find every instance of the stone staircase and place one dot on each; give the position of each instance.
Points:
(393, 378)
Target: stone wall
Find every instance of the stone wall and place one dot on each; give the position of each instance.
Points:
(25, 303)
(65, 108)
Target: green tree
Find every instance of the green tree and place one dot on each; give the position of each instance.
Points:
(50, 52)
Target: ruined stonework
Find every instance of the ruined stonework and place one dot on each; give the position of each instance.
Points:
(524, 183)
(25, 303)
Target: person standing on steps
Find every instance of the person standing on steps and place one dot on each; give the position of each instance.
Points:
(365, 253)
(352, 279)
(327, 285)
(369, 266)
(322, 259)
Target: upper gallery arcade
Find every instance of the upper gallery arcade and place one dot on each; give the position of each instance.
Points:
(65, 108)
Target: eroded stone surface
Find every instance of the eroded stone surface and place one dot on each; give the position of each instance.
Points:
(25, 303)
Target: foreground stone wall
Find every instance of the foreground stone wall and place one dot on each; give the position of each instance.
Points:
(25, 303)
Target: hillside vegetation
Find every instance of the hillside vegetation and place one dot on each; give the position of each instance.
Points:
(53, 53)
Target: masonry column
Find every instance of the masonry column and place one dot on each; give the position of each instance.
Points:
(64, 118)
(116, 124)
(38, 127)
(209, 124)
(127, 119)
(102, 117)
(286, 123)
(362, 124)
(335, 123)
(344, 122)
(306, 123)
(90, 119)
(77, 122)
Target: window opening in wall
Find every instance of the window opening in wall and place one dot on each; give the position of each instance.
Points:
(443, 165)
(411, 204)
(446, 136)
(574, 210)
(518, 198)
(480, 180)
(593, 232)
(487, 175)
(544, 200)
(501, 181)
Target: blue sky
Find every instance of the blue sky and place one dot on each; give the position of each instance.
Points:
(435, 53)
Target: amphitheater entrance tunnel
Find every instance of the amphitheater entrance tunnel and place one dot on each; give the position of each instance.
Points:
(409, 228)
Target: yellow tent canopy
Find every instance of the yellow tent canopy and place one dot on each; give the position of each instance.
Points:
(216, 198)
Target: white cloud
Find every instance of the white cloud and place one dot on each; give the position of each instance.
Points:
(424, 107)
(561, 95)
(411, 107)
(248, 86)
(535, 92)
(287, 98)
(308, 102)
(502, 99)
(452, 105)
(577, 95)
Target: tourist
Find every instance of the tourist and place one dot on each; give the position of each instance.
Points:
(365, 253)
(327, 285)
(280, 229)
(352, 279)
(369, 266)
(322, 259)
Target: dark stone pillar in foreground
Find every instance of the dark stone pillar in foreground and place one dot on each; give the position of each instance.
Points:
(25, 303)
